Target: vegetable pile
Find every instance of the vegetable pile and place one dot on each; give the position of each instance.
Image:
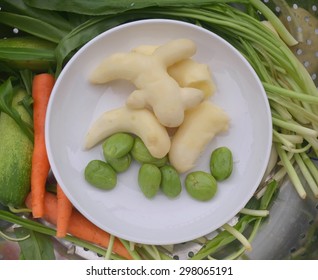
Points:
(50, 32)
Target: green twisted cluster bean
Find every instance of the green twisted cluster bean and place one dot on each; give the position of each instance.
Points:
(100, 174)
(221, 163)
(201, 185)
(149, 179)
(155, 173)
(141, 154)
(170, 181)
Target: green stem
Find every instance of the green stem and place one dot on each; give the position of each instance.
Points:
(291, 172)
(239, 236)
(290, 93)
(14, 239)
(133, 253)
(310, 165)
(110, 247)
(253, 212)
(295, 127)
(309, 179)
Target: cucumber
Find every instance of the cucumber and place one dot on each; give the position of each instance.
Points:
(15, 156)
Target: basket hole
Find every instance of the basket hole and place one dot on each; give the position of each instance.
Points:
(302, 236)
(292, 250)
(176, 257)
(299, 51)
(190, 254)
(311, 222)
(308, 42)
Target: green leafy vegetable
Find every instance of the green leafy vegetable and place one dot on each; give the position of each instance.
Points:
(37, 247)
(6, 96)
(33, 26)
(115, 6)
(52, 18)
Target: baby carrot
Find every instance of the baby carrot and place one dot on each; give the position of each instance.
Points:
(41, 90)
(64, 212)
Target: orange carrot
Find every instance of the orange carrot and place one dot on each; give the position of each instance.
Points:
(64, 212)
(79, 226)
(41, 90)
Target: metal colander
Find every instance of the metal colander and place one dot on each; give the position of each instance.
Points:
(301, 19)
(291, 231)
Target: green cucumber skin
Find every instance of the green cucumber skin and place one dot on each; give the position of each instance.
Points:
(15, 157)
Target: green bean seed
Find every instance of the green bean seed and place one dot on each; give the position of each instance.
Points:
(170, 181)
(221, 163)
(120, 164)
(201, 185)
(117, 145)
(141, 154)
(149, 178)
(100, 174)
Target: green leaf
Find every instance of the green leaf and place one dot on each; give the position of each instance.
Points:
(268, 195)
(27, 78)
(100, 7)
(12, 53)
(84, 33)
(53, 18)
(32, 26)
(37, 247)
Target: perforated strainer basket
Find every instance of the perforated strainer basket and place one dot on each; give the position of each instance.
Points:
(291, 231)
(301, 19)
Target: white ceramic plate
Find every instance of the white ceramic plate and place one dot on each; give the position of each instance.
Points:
(124, 211)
